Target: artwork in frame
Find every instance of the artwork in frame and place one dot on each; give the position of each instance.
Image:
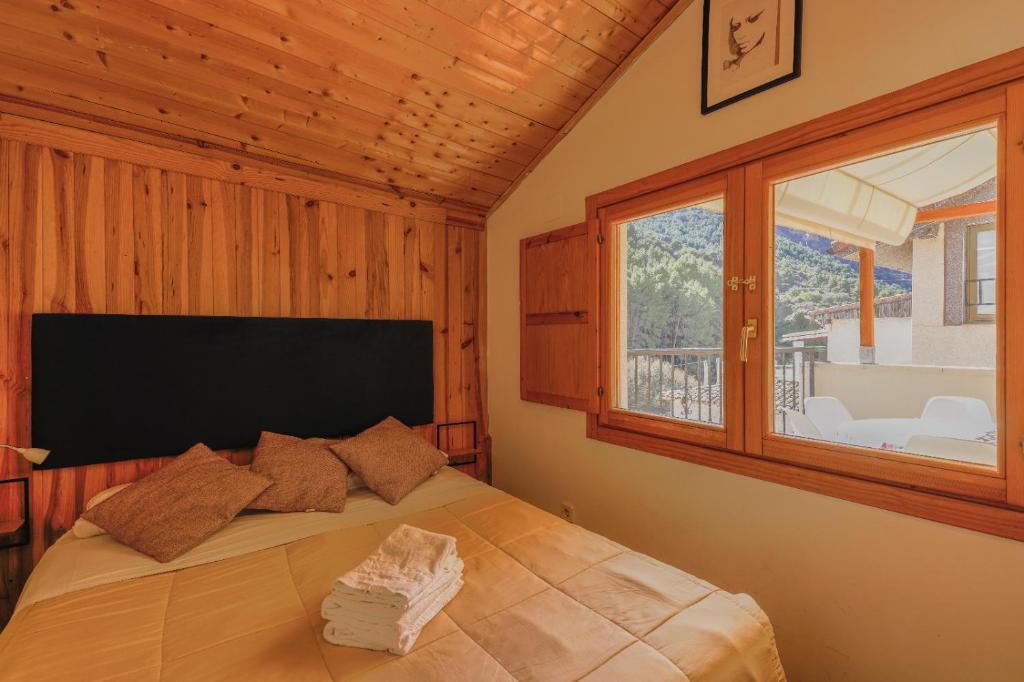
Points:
(749, 46)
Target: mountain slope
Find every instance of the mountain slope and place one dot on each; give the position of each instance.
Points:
(674, 280)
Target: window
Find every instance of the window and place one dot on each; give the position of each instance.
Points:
(789, 317)
(866, 378)
(858, 262)
(671, 356)
(666, 259)
(859, 267)
(980, 286)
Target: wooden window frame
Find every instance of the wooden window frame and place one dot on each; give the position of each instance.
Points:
(957, 478)
(984, 499)
(971, 314)
(729, 186)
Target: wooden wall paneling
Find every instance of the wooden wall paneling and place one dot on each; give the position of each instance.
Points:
(352, 262)
(395, 239)
(14, 564)
(376, 264)
(147, 220)
(223, 222)
(83, 233)
(433, 268)
(91, 237)
(269, 278)
(120, 237)
(247, 250)
(58, 262)
(463, 383)
(175, 241)
(327, 271)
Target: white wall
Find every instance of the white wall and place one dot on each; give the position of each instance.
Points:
(893, 340)
(935, 343)
(855, 593)
(874, 391)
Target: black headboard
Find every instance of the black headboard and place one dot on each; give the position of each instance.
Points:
(115, 387)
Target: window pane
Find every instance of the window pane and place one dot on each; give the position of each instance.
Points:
(671, 335)
(984, 275)
(914, 376)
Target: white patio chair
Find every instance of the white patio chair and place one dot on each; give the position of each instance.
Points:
(952, 416)
(801, 425)
(827, 414)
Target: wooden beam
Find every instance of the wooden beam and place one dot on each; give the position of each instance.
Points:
(938, 215)
(867, 298)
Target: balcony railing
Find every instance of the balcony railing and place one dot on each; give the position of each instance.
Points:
(687, 383)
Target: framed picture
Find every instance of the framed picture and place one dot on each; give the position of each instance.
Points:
(749, 46)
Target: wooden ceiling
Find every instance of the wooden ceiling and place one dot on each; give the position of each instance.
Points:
(455, 99)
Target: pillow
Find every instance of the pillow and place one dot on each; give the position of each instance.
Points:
(391, 458)
(354, 482)
(178, 506)
(87, 529)
(306, 475)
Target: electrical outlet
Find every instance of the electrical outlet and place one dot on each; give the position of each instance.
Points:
(569, 512)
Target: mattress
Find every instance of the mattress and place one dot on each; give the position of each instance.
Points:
(543, 600)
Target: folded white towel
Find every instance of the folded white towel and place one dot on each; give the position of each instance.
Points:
(398, 636)
(366, 607)
(385, 601)
(407, 562)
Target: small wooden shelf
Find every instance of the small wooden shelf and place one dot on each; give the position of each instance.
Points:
(15, 532)
(461, 456)
(10, 531)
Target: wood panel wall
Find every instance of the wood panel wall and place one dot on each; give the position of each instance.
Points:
(81, 233)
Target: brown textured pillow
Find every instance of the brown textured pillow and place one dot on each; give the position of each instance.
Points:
(178, 506)
(391, 458)
(306, 475)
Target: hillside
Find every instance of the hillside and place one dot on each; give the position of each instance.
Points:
(674, 287)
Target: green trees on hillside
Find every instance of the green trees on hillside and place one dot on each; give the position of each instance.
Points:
(674, 281)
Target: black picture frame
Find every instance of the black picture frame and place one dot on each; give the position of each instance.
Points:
(705, 109)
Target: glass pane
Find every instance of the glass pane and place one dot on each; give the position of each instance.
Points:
(985, 271)
(918, 376)
(671, 332)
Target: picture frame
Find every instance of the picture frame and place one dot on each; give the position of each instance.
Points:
(748, 46)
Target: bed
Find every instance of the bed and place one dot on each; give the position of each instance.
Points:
(543, 600)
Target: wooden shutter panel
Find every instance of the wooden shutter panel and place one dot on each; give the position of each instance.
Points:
(558, 341)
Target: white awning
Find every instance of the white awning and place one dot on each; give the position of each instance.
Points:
(877, 200)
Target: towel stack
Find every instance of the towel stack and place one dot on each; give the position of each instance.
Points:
(384, 602)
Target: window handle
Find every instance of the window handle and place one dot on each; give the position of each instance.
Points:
(734, 282)
(748, 332)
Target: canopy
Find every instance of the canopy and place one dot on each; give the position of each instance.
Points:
(877, 200)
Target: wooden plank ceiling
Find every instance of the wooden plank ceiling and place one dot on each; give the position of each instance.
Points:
(451, 99)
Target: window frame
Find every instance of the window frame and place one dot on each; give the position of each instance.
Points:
(971, 315)
(985, 500)
(729, 435)
(970, 480)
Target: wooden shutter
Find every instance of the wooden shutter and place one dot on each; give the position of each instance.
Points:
(558, 341)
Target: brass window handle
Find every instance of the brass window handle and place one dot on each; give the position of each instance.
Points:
(748, 332)
(734, 282)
